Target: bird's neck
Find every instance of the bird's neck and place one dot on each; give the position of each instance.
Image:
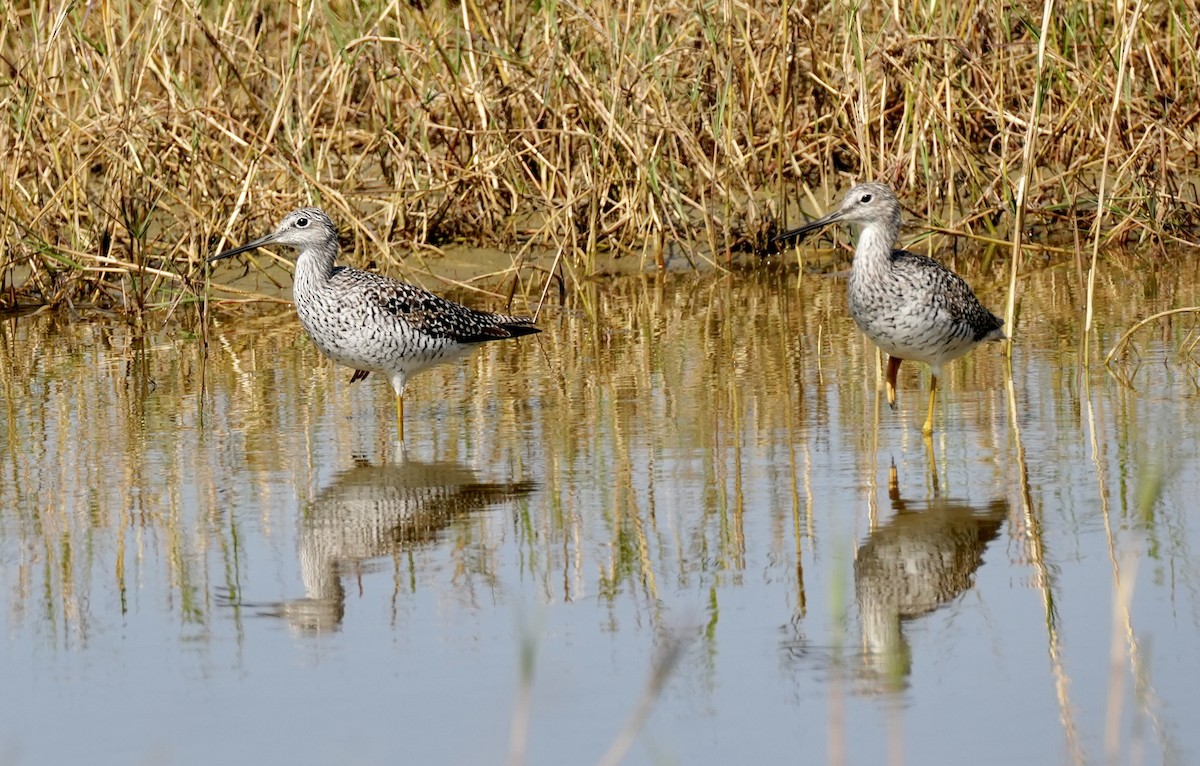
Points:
(873, 253)
(314, 267)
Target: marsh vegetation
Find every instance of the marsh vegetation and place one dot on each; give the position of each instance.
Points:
(140, 137)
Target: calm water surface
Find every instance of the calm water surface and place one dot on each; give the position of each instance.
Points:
(222, 558)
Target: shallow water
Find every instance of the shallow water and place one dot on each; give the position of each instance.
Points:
(222, 557)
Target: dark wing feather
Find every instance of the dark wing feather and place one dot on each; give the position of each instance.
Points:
(959, 300)
(433, 315)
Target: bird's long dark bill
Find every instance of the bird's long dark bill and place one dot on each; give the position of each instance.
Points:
(800, 231)
(248, 246)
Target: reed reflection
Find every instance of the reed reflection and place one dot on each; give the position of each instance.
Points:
(922, 558)
(371, 512)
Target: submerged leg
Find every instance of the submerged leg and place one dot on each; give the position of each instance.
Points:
(892, 369)
(930, 463)
(927, 429)
(398, 381)
(400, 415)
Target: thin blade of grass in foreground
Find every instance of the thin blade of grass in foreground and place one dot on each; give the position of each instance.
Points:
(660, 670)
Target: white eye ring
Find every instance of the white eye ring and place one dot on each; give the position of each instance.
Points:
(865, 198)
(301, 222)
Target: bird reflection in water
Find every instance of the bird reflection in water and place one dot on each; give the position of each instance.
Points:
(922, 558)
(369, 512)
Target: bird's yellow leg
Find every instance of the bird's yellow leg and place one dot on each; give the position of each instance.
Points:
(931, 463)
(400, 415)
(927, 429)
(892, 369)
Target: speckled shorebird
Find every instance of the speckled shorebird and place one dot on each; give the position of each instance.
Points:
(372, 323)
(910, 306)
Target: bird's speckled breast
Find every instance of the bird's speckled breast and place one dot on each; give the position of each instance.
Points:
(361, 335)
(906, 318)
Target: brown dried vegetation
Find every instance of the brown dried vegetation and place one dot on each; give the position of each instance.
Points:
(139, 137)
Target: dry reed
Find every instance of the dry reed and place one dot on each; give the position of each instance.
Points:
(140, 137)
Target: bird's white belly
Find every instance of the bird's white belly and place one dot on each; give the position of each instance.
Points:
(388, 347)
(919, 336)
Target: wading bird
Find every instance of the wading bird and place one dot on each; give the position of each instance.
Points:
(910, 306)
(372, 323)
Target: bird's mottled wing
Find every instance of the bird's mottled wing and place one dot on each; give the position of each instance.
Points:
(958, 299)
(431, 314)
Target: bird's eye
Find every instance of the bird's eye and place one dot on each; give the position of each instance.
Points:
(865, 198)
(301, 222)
